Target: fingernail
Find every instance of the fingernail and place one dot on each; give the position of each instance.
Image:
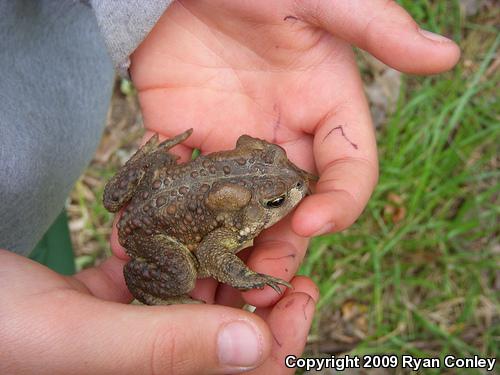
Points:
(434, 37)
(239, 345)
(327, 228)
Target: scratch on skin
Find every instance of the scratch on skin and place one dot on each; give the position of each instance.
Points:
(281, 257)
(277, 123)
(340, 127)
(290, 18)
(275, 339)
(309, 299)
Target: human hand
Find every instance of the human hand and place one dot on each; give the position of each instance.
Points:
(53, 324)
(283, 71)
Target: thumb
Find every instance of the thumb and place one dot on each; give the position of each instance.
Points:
(384, 29)
(69, 332)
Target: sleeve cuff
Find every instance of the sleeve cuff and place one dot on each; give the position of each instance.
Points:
(124, 24)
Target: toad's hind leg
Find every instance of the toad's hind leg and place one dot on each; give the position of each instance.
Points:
(164, 275)
(122, 186)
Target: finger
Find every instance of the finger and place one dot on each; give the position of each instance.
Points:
(278, 252)
(106, 281)
(205, 290)
(384, 29)
(300, 284)
(346, 157)
(342, 193)
(303, 284)
(81, 335)
(228, 296)
(289, 320)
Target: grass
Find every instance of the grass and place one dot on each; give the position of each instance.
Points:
(418, 273)
(419, 267)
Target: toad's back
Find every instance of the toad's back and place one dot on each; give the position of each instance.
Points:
(171, 199)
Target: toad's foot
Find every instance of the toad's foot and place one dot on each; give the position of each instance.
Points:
(259, 281)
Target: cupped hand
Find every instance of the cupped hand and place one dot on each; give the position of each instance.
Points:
(283, 71)
(53, 324)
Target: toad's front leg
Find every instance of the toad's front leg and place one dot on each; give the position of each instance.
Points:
(217, 258)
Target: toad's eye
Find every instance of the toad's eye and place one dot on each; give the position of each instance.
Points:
(276, 202)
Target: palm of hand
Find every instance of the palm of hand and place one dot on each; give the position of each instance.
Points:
(265, 74)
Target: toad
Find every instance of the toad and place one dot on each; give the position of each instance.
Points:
(184, 221)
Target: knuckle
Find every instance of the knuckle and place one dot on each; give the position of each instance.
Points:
(389, 13)
(311, 11)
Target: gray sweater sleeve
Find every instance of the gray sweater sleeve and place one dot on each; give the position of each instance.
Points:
(124, 24)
